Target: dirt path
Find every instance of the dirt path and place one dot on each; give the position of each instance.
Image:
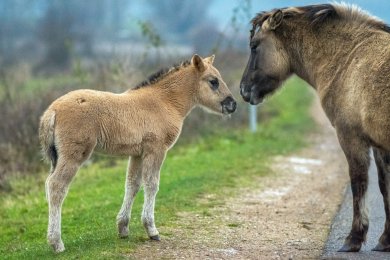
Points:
(286, 217)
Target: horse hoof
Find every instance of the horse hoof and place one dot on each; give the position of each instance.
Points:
(349, 248)
(156, 238)
(381, 248)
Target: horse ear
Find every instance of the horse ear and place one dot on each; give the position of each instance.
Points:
(210, 59)
(197, 61)
(274, 20)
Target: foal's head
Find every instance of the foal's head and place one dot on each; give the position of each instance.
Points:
(211, 91)
(268, 64)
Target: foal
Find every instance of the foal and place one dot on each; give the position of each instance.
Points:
(143, 123)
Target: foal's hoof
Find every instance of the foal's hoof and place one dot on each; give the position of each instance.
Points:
(124, 232)
(58, 247)
(350, 248)
(156, 238)
(381, 248)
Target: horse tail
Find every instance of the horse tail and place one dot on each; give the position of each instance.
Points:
(46, 137)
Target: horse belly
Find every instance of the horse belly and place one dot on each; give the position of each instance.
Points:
(376, 125)
(379, 134)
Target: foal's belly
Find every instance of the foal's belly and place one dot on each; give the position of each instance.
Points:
(120, 149)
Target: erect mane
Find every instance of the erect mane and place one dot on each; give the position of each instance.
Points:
(318, 14)
(162, 73)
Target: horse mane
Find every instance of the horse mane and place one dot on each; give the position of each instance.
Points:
(162, 73)
(319, 14)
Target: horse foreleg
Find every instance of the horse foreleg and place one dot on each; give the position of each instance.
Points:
(382, 160)
(151, 176)
(356, 151)
(133, 182)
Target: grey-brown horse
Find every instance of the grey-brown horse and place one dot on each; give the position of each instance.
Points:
(142, 123)
(344, 53)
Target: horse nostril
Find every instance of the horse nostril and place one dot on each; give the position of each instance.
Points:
(241, 91)
(244, 93)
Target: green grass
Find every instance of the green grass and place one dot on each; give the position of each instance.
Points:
(215, 164)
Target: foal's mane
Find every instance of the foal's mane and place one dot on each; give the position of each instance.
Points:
(319, 14)
(162, 73)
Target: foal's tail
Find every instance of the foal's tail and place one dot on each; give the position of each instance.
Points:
(46, 137)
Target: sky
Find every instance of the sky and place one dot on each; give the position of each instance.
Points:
(221, 10)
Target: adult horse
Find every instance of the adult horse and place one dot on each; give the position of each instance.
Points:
(143, 123)
(344, 53)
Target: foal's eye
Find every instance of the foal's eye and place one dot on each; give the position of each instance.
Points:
(214, 84)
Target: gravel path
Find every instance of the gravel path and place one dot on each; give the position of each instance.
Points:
(287, 216)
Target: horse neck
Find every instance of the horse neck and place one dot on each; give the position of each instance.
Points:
(177, 90)
(317, 56)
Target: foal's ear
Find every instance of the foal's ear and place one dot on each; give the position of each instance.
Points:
(210, 59)
(197, 61)
(273, 21)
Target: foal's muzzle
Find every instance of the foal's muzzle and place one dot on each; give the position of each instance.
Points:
(228, 105)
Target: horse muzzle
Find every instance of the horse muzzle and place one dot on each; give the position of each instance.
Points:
(251, 95)
(229, 105)
(245, 94)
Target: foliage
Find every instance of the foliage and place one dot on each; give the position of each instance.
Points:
(149, 32)
(214, 164)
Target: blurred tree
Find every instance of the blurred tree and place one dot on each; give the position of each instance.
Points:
(150, 33)
(74, 26)
(178, 18)
(16, 27)
(55, 31)
(202, 32)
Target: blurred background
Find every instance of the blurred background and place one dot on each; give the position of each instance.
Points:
(49, 47)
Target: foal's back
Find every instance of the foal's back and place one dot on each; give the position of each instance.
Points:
(113, 123)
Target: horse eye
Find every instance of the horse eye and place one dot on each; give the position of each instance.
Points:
(214, 84)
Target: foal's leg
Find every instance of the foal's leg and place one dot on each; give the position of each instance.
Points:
(357, 153)
(56, 188)
(151, 165)
(52, 168)
(133, 182)
(382, 160)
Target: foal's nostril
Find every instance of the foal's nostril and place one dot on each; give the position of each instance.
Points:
(233, 106)
(229, 105)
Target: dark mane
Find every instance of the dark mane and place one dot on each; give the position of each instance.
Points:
(318, 14)
(157, 76)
